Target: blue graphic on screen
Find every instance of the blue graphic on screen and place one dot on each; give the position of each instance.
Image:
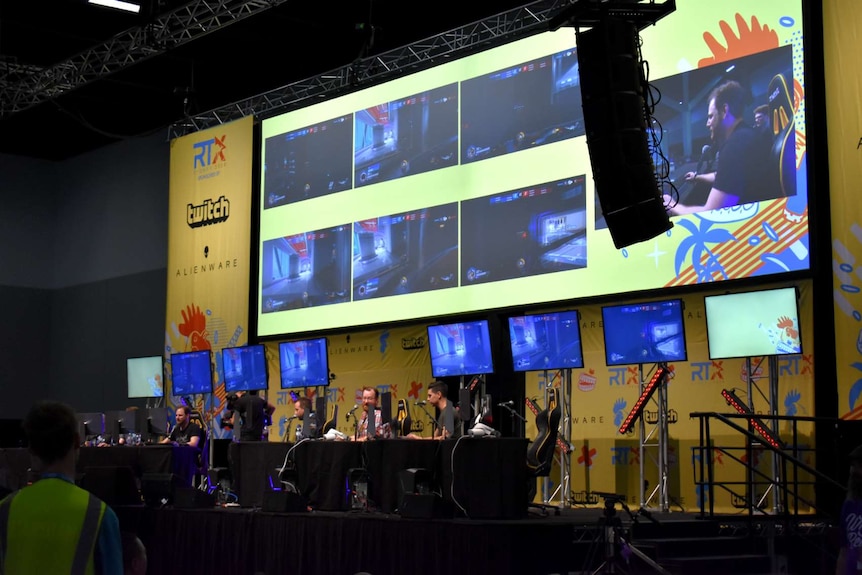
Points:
(527, 105)
(192, 372)
(408, 252)
(244, 368)
(460, 349)
(308, 163)
(304, 363)
(651, 332)
(524, 232)
(546, 341)
(409, 136)
(306, 269)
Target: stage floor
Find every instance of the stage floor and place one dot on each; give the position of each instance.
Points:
(255, 542)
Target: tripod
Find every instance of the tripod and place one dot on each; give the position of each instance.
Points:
(614, 542)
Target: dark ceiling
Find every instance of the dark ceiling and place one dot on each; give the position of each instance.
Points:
(293, 41)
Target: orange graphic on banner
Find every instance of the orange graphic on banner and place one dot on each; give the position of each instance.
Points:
(750, 40)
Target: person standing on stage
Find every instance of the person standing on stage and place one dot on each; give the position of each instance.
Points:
(255, 413)
(54, 526)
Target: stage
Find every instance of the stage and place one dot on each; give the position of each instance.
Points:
(252, 541)
(241, 541)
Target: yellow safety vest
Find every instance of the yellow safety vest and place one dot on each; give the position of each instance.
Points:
(49, 527)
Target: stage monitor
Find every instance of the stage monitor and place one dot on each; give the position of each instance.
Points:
(192, 372)
(153, 423)
(755, 323)
(648, 332)
(244, 368)
(304, 363)
(462, 348)
(546, 341)
(145, 376)
(90, 425)
(119, 423)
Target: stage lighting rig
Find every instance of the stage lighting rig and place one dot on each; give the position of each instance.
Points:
(588, 12)
(756, 423)
(660, 375)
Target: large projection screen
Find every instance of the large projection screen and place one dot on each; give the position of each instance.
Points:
(467, 187)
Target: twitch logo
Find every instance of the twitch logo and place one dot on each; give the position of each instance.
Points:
(208, 213)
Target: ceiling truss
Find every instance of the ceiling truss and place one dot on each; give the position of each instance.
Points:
(521, 22)
(25, 86)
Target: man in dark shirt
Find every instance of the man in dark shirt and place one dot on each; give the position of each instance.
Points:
(254, 412)
(447, 426)
(186, 432)
(742, 175)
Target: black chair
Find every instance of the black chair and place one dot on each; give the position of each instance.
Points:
(540, 453)
(783, 153)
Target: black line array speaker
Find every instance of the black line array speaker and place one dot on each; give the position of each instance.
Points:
(615, 119)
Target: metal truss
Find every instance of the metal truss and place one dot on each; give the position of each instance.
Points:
(653, 443)
(23, 86)
(521, 22)
(518, 23)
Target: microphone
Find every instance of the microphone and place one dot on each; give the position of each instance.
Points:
(706, 149)
(506, 404)
(421, 403)
(349, 413)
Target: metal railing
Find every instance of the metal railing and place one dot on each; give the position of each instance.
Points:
(787, 481)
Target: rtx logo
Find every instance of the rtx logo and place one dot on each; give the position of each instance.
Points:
(209, 152)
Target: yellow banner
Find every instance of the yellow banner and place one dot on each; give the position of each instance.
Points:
(842, 28)
(209, 230)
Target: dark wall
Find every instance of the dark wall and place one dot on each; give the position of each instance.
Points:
(94, 328)
(25, 350)
(84, 273)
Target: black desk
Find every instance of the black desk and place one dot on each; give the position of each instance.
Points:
(385, 458)
(490, 476)
(181, 461)
(322, 467)
(252, 464)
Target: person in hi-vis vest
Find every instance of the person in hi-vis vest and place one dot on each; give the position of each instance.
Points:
(54, 526)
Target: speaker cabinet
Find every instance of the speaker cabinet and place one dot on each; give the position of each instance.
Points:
(158, 488)
(615, 119)
(191, 498)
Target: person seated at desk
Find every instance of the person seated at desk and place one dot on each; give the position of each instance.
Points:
(254, 412)
(369, 405)
(185, 432)
(446, 426)
(302, 408)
